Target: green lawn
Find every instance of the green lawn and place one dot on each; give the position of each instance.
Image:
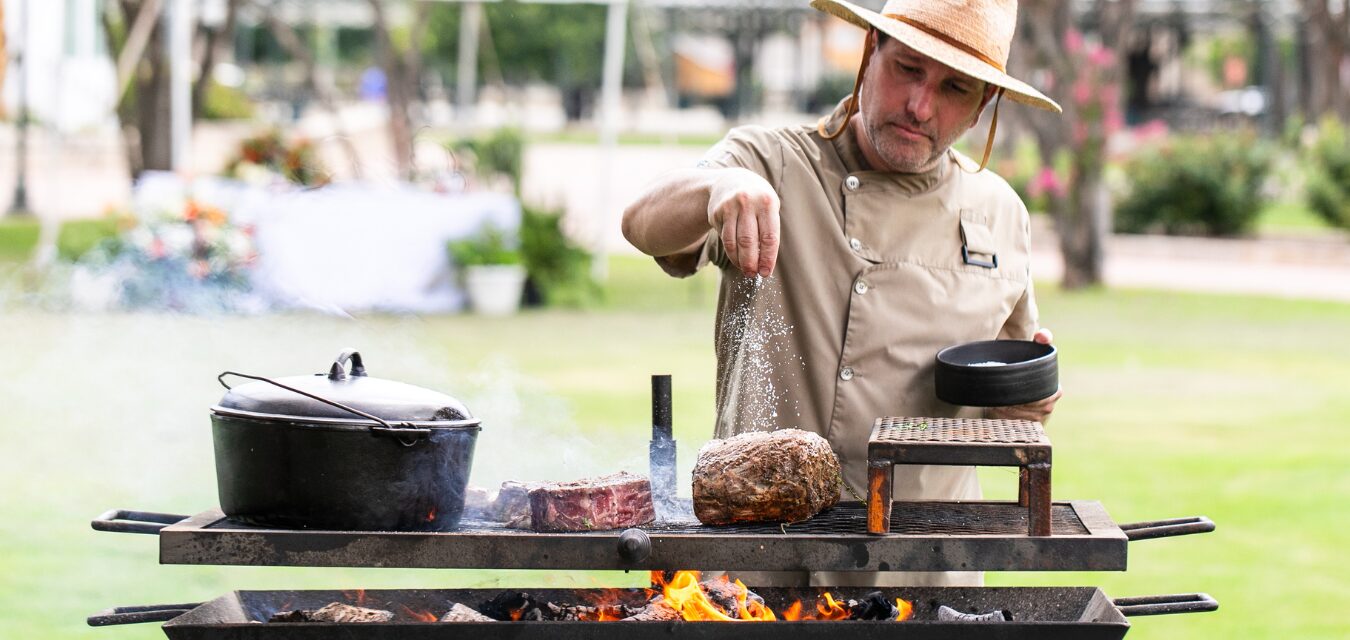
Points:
(1176, 405)
(1290, 218)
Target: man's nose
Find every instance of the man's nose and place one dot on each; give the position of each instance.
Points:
(921, 102)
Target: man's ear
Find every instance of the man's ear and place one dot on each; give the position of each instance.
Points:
(989, 92)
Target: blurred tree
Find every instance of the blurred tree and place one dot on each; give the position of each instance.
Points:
(1085, 78)
(134, 32)
(1326, 29)
(399, 55)
(561, 44)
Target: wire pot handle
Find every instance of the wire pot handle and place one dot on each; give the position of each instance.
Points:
(140, 613)
(406, 433)
(1158, 605)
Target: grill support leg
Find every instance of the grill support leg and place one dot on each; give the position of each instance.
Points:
(1038, 489)
(879, 497)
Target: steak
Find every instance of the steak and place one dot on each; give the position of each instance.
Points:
(512, 505)
(787, 475)
(615, 501)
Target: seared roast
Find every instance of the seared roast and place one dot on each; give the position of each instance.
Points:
(787, 475)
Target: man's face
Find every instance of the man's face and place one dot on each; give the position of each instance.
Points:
(912, 108)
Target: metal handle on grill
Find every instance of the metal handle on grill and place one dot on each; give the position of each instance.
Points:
(123, 521)
(141, 613)
(1167, 528)
(635, 545)
(1158, 605)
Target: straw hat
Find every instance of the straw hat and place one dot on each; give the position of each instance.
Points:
(970, 36)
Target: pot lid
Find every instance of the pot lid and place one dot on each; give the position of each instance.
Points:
(315, 397)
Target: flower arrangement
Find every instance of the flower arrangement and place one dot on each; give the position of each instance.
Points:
(266, 157)
(185, 258)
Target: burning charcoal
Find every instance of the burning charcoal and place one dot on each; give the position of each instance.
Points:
(614, 501)
(291, 616)
(723, 594)
(335, 612)
(948, 614)
(461, 613)
(478, 503)
(513, 605)
(656, 611)
(873, 606)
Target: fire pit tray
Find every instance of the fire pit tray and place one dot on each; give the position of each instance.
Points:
(925, 536)
(1046, 613)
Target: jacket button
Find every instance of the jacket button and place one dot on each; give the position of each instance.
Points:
(852, 183)
(855, 244)
(860, 287)
(846, 374)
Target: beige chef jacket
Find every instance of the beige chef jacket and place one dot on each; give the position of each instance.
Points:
(876, 273)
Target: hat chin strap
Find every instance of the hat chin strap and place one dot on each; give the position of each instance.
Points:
(852, 104)
(851, 107)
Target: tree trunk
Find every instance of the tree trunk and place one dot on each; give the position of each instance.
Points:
(1082, 214)
(214, 41)
(1328, 50)
(401, 82)
(152, 105)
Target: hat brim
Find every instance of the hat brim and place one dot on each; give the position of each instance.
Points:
(939, 50)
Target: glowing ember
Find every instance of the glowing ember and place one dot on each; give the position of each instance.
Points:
(691, 598)
(431, 515)
(421, 616)
(357, 597)
(906, 609)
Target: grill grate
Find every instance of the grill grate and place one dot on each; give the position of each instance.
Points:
(969, 430)
(926, 536)
(845, 519)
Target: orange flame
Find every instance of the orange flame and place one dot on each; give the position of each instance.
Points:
(357, 597)
(685, 595)
(906, 609)
(422, 616)
(431, 515)
(830, 609)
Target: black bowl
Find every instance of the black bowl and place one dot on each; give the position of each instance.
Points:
(1027, 371)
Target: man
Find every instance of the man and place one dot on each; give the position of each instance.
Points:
(853, 251)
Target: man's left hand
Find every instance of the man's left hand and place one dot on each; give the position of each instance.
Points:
(1038, 411)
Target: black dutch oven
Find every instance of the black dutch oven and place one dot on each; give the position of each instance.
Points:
(341, 450)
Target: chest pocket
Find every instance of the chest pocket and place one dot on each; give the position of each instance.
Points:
(977, 241)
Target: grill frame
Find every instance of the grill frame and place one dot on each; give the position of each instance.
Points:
(1081, 613)
(1099, 545)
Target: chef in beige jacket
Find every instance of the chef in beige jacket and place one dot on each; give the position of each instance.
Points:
(854, 249)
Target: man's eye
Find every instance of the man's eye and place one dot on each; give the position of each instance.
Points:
(908, 69)
(959, 88)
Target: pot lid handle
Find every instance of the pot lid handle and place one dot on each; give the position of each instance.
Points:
(338, 371)
(407, 434)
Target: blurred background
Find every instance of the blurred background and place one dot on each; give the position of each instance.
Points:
(190, 186)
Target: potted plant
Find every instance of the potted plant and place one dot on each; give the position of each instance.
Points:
(494, 277)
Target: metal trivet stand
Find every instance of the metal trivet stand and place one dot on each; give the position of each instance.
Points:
(959, 441)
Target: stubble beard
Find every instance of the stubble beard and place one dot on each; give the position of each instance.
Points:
(907, 156)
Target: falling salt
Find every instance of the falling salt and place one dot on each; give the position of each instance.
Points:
(753, 332)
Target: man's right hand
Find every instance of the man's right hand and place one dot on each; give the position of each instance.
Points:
(743, 207)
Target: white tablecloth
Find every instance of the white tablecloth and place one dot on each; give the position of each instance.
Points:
(351, 247)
